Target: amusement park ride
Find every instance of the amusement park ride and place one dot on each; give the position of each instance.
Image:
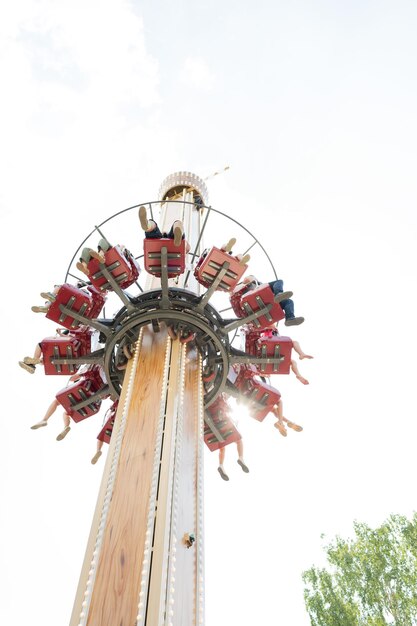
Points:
(168, 362)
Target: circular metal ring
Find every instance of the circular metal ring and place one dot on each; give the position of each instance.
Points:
(125, 322)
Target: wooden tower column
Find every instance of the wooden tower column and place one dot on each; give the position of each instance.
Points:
(138, 570)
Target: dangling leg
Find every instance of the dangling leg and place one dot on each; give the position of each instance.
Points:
(220, 469)
(293, 425)
(288, 308)
(240, 460)
(103, 246)
(50, 411)
(243, 259)
(277, 411)
(82, 267)
(37, 356)
(47, 295)
(143, 219)
(99, 255)
(50, 295)
(296, 371)
(149, 226)
(177, 231)
(98, 453)
(300, 352)
(29, 363)
(84, 260)
(228, 247)
(67, 427)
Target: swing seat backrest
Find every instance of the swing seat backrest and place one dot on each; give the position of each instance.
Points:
(78, 392)
(152, 251)
(120, 264)
(73, 298)
(236, 299)
(107, 430)
(260, 398)
(68, 347)
(256, 299)
(277, 346)
(217, 421)
(209, 267)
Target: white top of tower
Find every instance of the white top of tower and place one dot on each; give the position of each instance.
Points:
(176, 182)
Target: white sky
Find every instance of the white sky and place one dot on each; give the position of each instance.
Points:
(313, 107)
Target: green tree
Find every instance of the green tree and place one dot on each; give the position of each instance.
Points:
(372, 578)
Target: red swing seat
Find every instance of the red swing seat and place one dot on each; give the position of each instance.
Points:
(241, 373)
(259, 396)
(98, 300)
(78, 300)
(274, 347)
(256, 299)
(122, 265)
(72, 346)
(209, 266)
(252, 335)
(236, 297)
(89, 384)
(219, 414)
(264, 343)
(152, 251)
(107, 430)
(83, 334)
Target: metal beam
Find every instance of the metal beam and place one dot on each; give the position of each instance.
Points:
(85, 320)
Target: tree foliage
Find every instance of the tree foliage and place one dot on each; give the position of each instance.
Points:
(372, 578)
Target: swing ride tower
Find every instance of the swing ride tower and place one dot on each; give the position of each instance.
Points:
(144, 561)
(138, 568)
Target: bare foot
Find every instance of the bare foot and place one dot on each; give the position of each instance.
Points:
(306, 356)
(303, 380)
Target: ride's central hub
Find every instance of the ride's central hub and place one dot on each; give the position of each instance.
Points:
(185, 319)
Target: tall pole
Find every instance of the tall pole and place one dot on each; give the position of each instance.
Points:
(142, 567)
